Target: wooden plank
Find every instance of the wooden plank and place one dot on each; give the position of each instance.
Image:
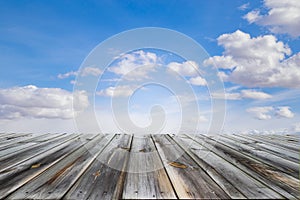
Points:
(23, 173)
(16, 148)
(274, 149)
(57, 180)
(233, 180)
(188, 179)
(13, 169)
(280, 182)
(288, 145)
(10, 136)
(285, 138)
(282, 164)
(14, 159)
(31, 138)
(11, 140)
(146, 177)
(102, 180)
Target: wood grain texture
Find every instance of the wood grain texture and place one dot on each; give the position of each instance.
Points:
(58, 179)
(121, 166)
(280, 182)
(146, 177)
(189, 181)
(101, 180)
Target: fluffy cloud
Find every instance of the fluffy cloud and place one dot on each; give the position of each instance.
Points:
(284, 111)
(86, 71)
(263, 113)
(256, 62)
(187, 68)
(34, 102)
(118, 91)
(244, 94)
(198, 80)
(136, 65)
(281, 17)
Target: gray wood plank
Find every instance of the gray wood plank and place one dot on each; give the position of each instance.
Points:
(10, 136)
(232, 179)
(57, 180)
(23, 173)
(189, 180)
(274, 149)
(16, 148)
(11, 140)
(15, 159)
(280, 182)
(280, 163)
(268, 139)
(146, 177)
(101, 180)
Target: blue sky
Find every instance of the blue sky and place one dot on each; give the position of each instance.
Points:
(253, 44)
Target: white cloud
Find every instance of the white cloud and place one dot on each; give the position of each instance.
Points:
(187, 68)
(135, 65)
(281, 17)
(261, 113)
(67, 75)
(256, 62)
(90, 71)
(118, 91)
(252, 16)
(198, 80)
(284, 111)
(253, 94)
(86, 71)
(31, 101)
(244, 94)
(244, 6)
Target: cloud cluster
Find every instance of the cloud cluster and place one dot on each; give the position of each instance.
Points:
(135, 65)
(281, 17)
(256, 62)
(266, 112)
(31, 101)
(189, 69)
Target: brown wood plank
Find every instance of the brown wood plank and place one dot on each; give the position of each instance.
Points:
(57, 180)
(189, 180)
(101, 181)
(146, 177)
(233, 180)
(17, 176)
(280, 182)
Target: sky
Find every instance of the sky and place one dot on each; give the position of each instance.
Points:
(251, 47)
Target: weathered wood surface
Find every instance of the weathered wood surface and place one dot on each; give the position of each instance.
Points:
(146, 177)
(74, 166)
